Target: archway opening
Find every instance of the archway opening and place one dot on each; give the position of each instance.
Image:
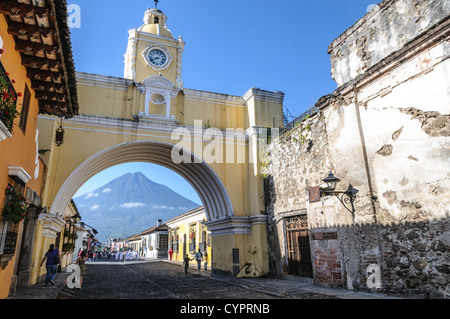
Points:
(205, 182)
(196, 172)
(127, 199)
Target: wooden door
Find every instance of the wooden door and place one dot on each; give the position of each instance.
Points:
(299, 257)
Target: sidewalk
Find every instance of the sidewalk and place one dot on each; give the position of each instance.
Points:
(40, 291)
(291, 288)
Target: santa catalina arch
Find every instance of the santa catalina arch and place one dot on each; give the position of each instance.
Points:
(211, 139)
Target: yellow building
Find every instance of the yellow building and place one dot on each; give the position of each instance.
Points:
(35, 73)
(210, 139)
(188, 233)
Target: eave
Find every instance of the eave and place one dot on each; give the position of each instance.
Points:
(42, 37)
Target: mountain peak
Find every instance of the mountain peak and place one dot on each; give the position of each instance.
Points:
(129, 204)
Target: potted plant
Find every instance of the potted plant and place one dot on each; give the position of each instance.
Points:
(8, 99)
(67, 247)
(15, 209)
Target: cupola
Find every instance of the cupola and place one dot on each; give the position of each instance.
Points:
(155, 23)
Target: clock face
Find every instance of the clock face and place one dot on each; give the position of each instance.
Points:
(157, 57)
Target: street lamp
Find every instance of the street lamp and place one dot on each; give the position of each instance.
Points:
(59, 135)
(345, 197)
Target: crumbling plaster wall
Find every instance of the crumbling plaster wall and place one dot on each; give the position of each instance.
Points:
(385, 29)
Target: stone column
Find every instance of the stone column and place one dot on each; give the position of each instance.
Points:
(26, 251)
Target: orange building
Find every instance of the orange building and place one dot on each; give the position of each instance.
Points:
(36, 76)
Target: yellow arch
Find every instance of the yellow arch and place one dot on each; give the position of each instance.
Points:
(200, 176)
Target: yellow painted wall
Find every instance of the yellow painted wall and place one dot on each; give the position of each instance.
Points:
(141, 65)
(183, 230)
(109, 107)
(20, 149)
(43, 240)
(82, 140)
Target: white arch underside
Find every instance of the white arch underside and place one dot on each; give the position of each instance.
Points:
(200, 176)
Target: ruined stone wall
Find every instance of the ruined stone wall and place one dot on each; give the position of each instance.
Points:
(385, 29)
(387, 132)
(296, 161)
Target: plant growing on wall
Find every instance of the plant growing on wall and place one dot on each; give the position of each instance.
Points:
(15, 209)
(67, 247)
(8, 99)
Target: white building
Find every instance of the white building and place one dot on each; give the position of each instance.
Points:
(155, 241)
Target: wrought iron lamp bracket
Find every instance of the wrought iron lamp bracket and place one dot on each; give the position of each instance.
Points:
(345, 197)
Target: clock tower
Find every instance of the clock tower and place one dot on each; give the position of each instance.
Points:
(153, 61)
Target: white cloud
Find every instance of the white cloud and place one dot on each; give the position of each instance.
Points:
(95, 207)
(131, 205)
(106, 190)
(163, 207)
(91, 194)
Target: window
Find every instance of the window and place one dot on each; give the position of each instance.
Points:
(163, 242)
(8, 230)
(25, 109)
(156, 20)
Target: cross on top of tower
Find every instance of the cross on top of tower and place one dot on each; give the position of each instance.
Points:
(156, 3)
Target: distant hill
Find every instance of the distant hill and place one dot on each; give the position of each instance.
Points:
(128, 205)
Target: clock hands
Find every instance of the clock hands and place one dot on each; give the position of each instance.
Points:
(157, 58)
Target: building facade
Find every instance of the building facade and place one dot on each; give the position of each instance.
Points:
(188, 233)
(155, 241)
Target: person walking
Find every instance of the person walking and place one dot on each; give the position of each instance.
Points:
(170, 253)
(186, 263)
(198, 256)
(205, 260)
(52, 256)
(81, 262)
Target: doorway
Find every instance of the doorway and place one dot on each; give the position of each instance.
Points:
(299, 251)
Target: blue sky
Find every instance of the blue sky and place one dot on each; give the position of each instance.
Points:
(154, 172)
(231, 46)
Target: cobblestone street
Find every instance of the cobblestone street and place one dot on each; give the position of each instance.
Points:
(163, 280)
(153, 280)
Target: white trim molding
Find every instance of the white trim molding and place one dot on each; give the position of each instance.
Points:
(262, 95)
(51, 225)
(19, 173)
(4, 132)
(161, 86)
(233, 225)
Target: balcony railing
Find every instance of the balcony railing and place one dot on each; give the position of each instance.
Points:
(8, 100)
(311, 112)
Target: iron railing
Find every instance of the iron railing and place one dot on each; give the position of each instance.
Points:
(8, 100)
(312, 111)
